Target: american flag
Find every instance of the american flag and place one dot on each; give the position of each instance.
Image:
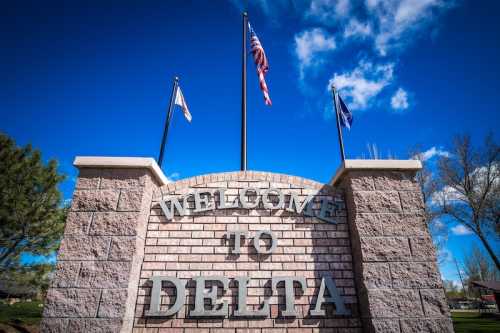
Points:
(259, 56)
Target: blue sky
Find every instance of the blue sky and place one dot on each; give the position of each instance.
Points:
(94, 78)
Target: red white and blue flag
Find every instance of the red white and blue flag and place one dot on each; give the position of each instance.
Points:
(260, 59)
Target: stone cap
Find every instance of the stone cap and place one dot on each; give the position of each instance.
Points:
(374, 165)
(122, 162)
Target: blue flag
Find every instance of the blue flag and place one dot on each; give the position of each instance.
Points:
(344, 113)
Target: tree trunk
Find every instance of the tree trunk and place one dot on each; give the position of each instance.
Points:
(489, 249)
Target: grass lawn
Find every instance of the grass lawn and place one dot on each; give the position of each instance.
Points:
(20, 317)
(473, 322)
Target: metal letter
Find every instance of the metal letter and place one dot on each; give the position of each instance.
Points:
(237, 237)
(222, 199)
(268, 204)
(205, 201)
(180, 296)
(245, 203)
(327, 206)
(174, 204)
(242, 310)
(289, 292)
(202, 294)
(307, 204)
(335, 298)
(256, 243)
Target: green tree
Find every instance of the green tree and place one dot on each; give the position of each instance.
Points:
(452, 290)
(31, 217)
(31, 281)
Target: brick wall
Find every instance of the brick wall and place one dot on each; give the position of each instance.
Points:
(196, 245)
(379, 254)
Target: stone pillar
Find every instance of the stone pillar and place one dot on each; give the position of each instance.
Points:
(398, 281)
(95, 283)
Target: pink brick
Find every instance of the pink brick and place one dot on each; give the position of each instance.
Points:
(202, 249)
(226, 219)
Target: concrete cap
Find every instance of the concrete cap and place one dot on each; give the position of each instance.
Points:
(382, 165)
(122, 162)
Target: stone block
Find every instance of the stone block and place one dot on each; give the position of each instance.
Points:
(411, 201)
(415, 275)
(434, 302)
(122, 248)
(130, 200)
(368, 224)
(376, 275)
(394, 303)
(385, 249)
(376, 202)
(426, 326)
(114, 224)
(104, 274)
(95, 325)
(404, 224)
(84, 248)
(95, 200)
(360, 181)
(53, 325)
(66, 274)
(394, 181)
(384, 326)
(77, 223)
(113, 303)
(88, 179)
(422, 249)
(71, 303)
(123, 178)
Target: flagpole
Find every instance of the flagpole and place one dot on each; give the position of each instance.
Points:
(244, 94)
(167, 121)
(339, 129)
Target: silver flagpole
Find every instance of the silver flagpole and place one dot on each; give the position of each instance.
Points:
(167, 121)
(243, 165)
(339, 129)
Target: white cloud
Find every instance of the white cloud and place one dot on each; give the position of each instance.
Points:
(357, 29)
(363, 84)
(444, 255)
(174, 176)
(399, 100)
(446, 194)
(461, 230)
(432, 152)
(398, 20)
(328, 11)
(438, 224)
(310, 45)
(391, 23)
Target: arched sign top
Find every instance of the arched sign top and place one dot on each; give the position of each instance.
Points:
(249, 190)
(272, 177)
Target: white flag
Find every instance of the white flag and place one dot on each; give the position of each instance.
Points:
(179, 100)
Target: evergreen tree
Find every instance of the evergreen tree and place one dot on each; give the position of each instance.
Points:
(31, 217)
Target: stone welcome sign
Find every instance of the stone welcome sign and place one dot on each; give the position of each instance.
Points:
(245, 252)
